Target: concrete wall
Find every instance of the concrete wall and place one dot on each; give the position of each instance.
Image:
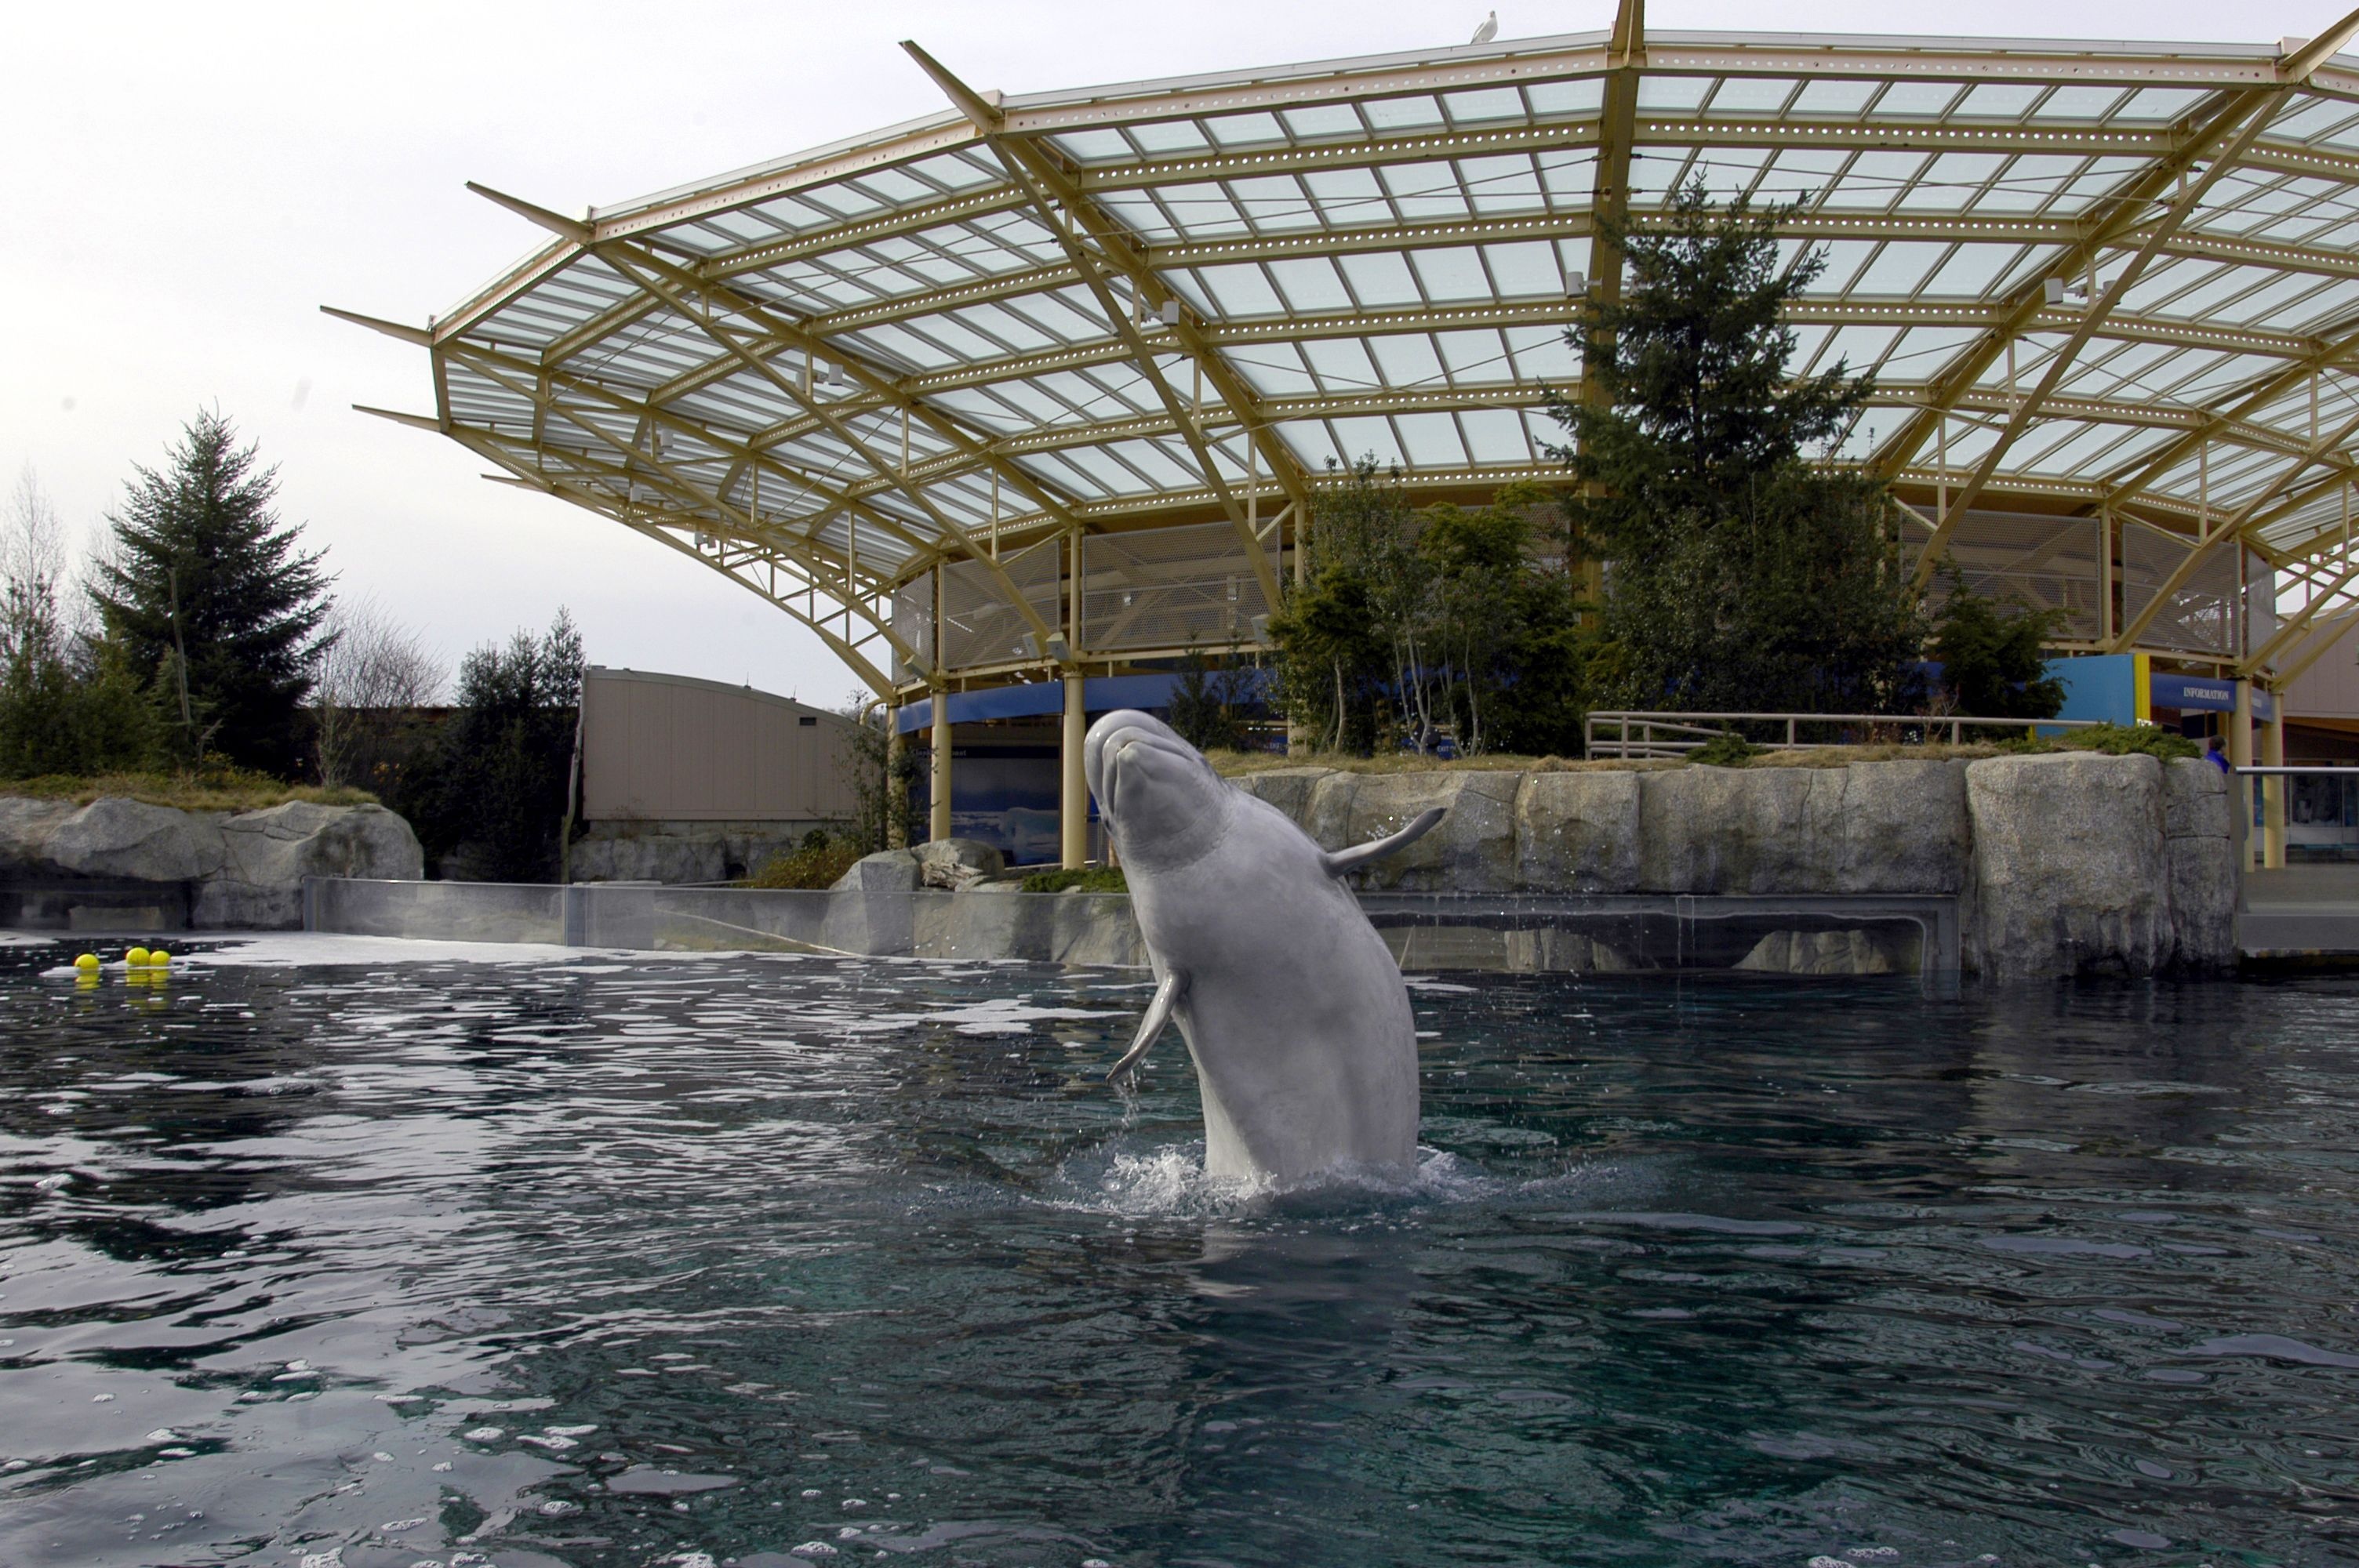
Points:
(659, 748)
(2065, 864)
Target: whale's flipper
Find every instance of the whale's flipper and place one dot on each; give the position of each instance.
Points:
(1158, 1013)
(1359, 855)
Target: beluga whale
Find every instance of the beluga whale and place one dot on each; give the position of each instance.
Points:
(1294, 1012)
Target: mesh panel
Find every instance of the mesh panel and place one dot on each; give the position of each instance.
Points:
(2050, 561)
(2201, 618)
(979, 626)
(913, 621)
(1169, 588)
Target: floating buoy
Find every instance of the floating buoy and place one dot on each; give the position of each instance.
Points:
(157, 957)
(136, 957)
(87, 963)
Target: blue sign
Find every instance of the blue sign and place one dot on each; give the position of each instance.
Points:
(2194, 693)
(2203, 693)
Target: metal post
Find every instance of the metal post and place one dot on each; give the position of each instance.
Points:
(2273, 788)
(938, 823)
(2240, 755)
(1073, 793)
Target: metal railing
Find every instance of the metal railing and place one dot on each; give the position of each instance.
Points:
(2309, 812)
(1668, 737)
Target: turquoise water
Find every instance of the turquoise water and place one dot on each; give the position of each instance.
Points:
(605, 1262)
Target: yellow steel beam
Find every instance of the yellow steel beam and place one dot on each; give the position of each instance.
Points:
(1060, 206)
(2258, 659)
(2233, 527)
(2240, 125)
(590, 500)
(511, 370)
(646, 271)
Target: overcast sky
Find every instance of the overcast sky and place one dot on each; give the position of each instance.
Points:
(183, 186)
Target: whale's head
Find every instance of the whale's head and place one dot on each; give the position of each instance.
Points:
(1160, 797)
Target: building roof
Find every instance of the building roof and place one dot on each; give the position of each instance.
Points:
(2088, 277)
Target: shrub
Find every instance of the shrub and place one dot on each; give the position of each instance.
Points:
(819, 863)
(1992, 654)
(2127, 740)
(1725, 750)
(1088, 879)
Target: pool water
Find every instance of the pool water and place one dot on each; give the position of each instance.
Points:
(411, 1258)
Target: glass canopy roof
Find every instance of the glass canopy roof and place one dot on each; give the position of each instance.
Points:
(2090, 279)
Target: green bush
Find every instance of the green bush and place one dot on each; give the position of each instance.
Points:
(1725, 750)
(821, 863)
(2128, 740)
(1994, 655)
(1089, 878)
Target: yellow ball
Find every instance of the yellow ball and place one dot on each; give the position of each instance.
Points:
(87, 963)
(136, 957)
(157, 957)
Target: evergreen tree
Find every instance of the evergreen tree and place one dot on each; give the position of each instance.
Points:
(208, 592)
(1739, 573)
(490, 798)
(68, 704)
(1992, 655)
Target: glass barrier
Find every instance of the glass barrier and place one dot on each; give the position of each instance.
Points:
(1513, 934)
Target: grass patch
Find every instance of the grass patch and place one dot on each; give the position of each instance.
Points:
(222, 789)
(1088, 879)
(814, 866)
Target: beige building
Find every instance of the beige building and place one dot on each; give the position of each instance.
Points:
(687, 780)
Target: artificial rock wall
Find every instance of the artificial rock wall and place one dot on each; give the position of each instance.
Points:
(124, 865)
(2064, 863)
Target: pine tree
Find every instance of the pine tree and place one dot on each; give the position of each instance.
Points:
(489, 799)
(207, 590)
(1740, 572)
(1993, 656)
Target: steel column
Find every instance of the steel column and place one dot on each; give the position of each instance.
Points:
(938, 815)
(1074, 792)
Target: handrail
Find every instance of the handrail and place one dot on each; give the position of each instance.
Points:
(1672, 743)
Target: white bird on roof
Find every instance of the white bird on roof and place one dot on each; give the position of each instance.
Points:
(1488, 30)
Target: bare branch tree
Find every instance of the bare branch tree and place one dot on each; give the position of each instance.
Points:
(374, 670)
(33, 562)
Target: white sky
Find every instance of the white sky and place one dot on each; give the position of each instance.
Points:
(183, 186)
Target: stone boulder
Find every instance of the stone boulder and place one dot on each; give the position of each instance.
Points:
(1550, 950)
(114, 838)
(1869, 828)
(1848, 952)
(26, 824)
(887, 871)
(1472, 851)
(1287, 789)
(2069, 866)
(957, 864)
(1577, 832)
(2200, 857)
(96, 864)
(265, 855)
